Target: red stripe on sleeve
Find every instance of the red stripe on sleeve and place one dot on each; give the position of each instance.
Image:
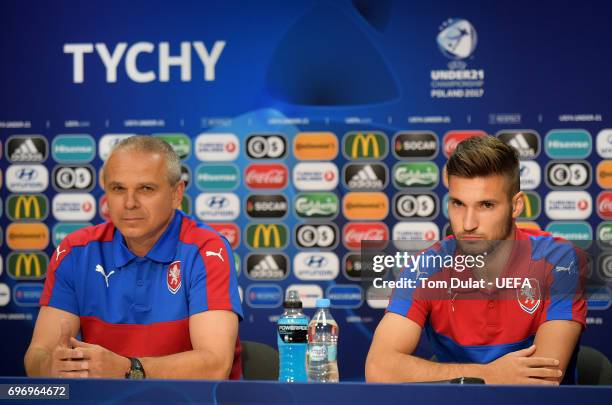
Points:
(216, 259)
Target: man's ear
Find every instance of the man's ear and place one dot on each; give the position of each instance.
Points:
(179, 190)
(518, 204)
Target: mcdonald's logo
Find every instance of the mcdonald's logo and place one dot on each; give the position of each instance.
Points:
(365, 145)
(25, 207)
(267, 236)
(27, 266)
(532, 206)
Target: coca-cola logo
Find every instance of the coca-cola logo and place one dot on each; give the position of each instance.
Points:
(229, 231)
(272, 176)
(453, 138)
(356, 232)
(604, 205)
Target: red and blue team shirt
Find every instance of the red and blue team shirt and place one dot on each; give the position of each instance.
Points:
(140, 306)
(473, 325)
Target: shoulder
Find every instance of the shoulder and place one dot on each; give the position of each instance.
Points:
(91, 234)
(194, 232)
(81, 238)
(548, 247)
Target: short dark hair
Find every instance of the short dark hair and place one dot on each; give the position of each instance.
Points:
(482, 156)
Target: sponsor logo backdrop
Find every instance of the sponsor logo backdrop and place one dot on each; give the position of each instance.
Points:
(329, 127)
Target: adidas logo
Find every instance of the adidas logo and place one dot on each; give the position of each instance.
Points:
(519, 142)
(26, 152)
(366, 178)
(267, 268)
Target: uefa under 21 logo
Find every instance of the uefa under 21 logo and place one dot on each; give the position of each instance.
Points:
(457, 38)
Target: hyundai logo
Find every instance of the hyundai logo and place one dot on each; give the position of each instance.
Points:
(217, 202)
(316, 261)
(27, 174)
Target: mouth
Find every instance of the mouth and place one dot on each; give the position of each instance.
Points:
(470, 237)
(131, 220)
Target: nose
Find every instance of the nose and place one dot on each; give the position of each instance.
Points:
(470, 220)
(131, 202)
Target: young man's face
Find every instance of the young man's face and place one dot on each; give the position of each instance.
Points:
(481, 212)
(141, 200)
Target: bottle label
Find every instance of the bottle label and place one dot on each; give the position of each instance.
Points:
(317, 353)
(332, 352)
(293, 333)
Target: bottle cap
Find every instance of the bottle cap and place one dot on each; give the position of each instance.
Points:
(322, 303)
(292, 300)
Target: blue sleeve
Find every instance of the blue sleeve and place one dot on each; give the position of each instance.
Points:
(405, 300)
(59, 291)
(565, 287)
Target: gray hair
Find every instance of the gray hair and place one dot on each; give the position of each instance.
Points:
(151, 144)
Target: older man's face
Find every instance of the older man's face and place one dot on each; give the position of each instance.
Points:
(141, 200)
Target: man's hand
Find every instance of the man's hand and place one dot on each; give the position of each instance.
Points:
(520, 368)
(62, 358)
(99, 362)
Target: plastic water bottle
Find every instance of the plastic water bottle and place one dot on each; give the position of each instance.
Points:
(323, 345)
(292, 340)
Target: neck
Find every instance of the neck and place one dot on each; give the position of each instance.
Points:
(497, 259)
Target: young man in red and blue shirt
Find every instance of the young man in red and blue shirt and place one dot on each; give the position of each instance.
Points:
(511, 334)
(153, 293)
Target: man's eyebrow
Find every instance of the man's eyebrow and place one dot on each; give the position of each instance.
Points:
(118, 183)
(487, 200)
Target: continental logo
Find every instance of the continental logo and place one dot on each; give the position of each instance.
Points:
(365, 145)
(374, 206)
(604, 174)
(315, 146)
(528, 225)
(27, 236)
(27, 207)
(27, 266)
(532, 206)
(267, 236)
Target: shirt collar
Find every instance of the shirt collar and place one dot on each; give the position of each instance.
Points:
(163, 251)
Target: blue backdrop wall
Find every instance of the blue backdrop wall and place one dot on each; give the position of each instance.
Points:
(280, 110)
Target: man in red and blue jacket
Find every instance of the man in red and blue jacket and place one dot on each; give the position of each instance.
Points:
(153, 293)
(513, 315)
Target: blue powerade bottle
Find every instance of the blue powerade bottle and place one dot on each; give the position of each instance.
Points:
(292, 341)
